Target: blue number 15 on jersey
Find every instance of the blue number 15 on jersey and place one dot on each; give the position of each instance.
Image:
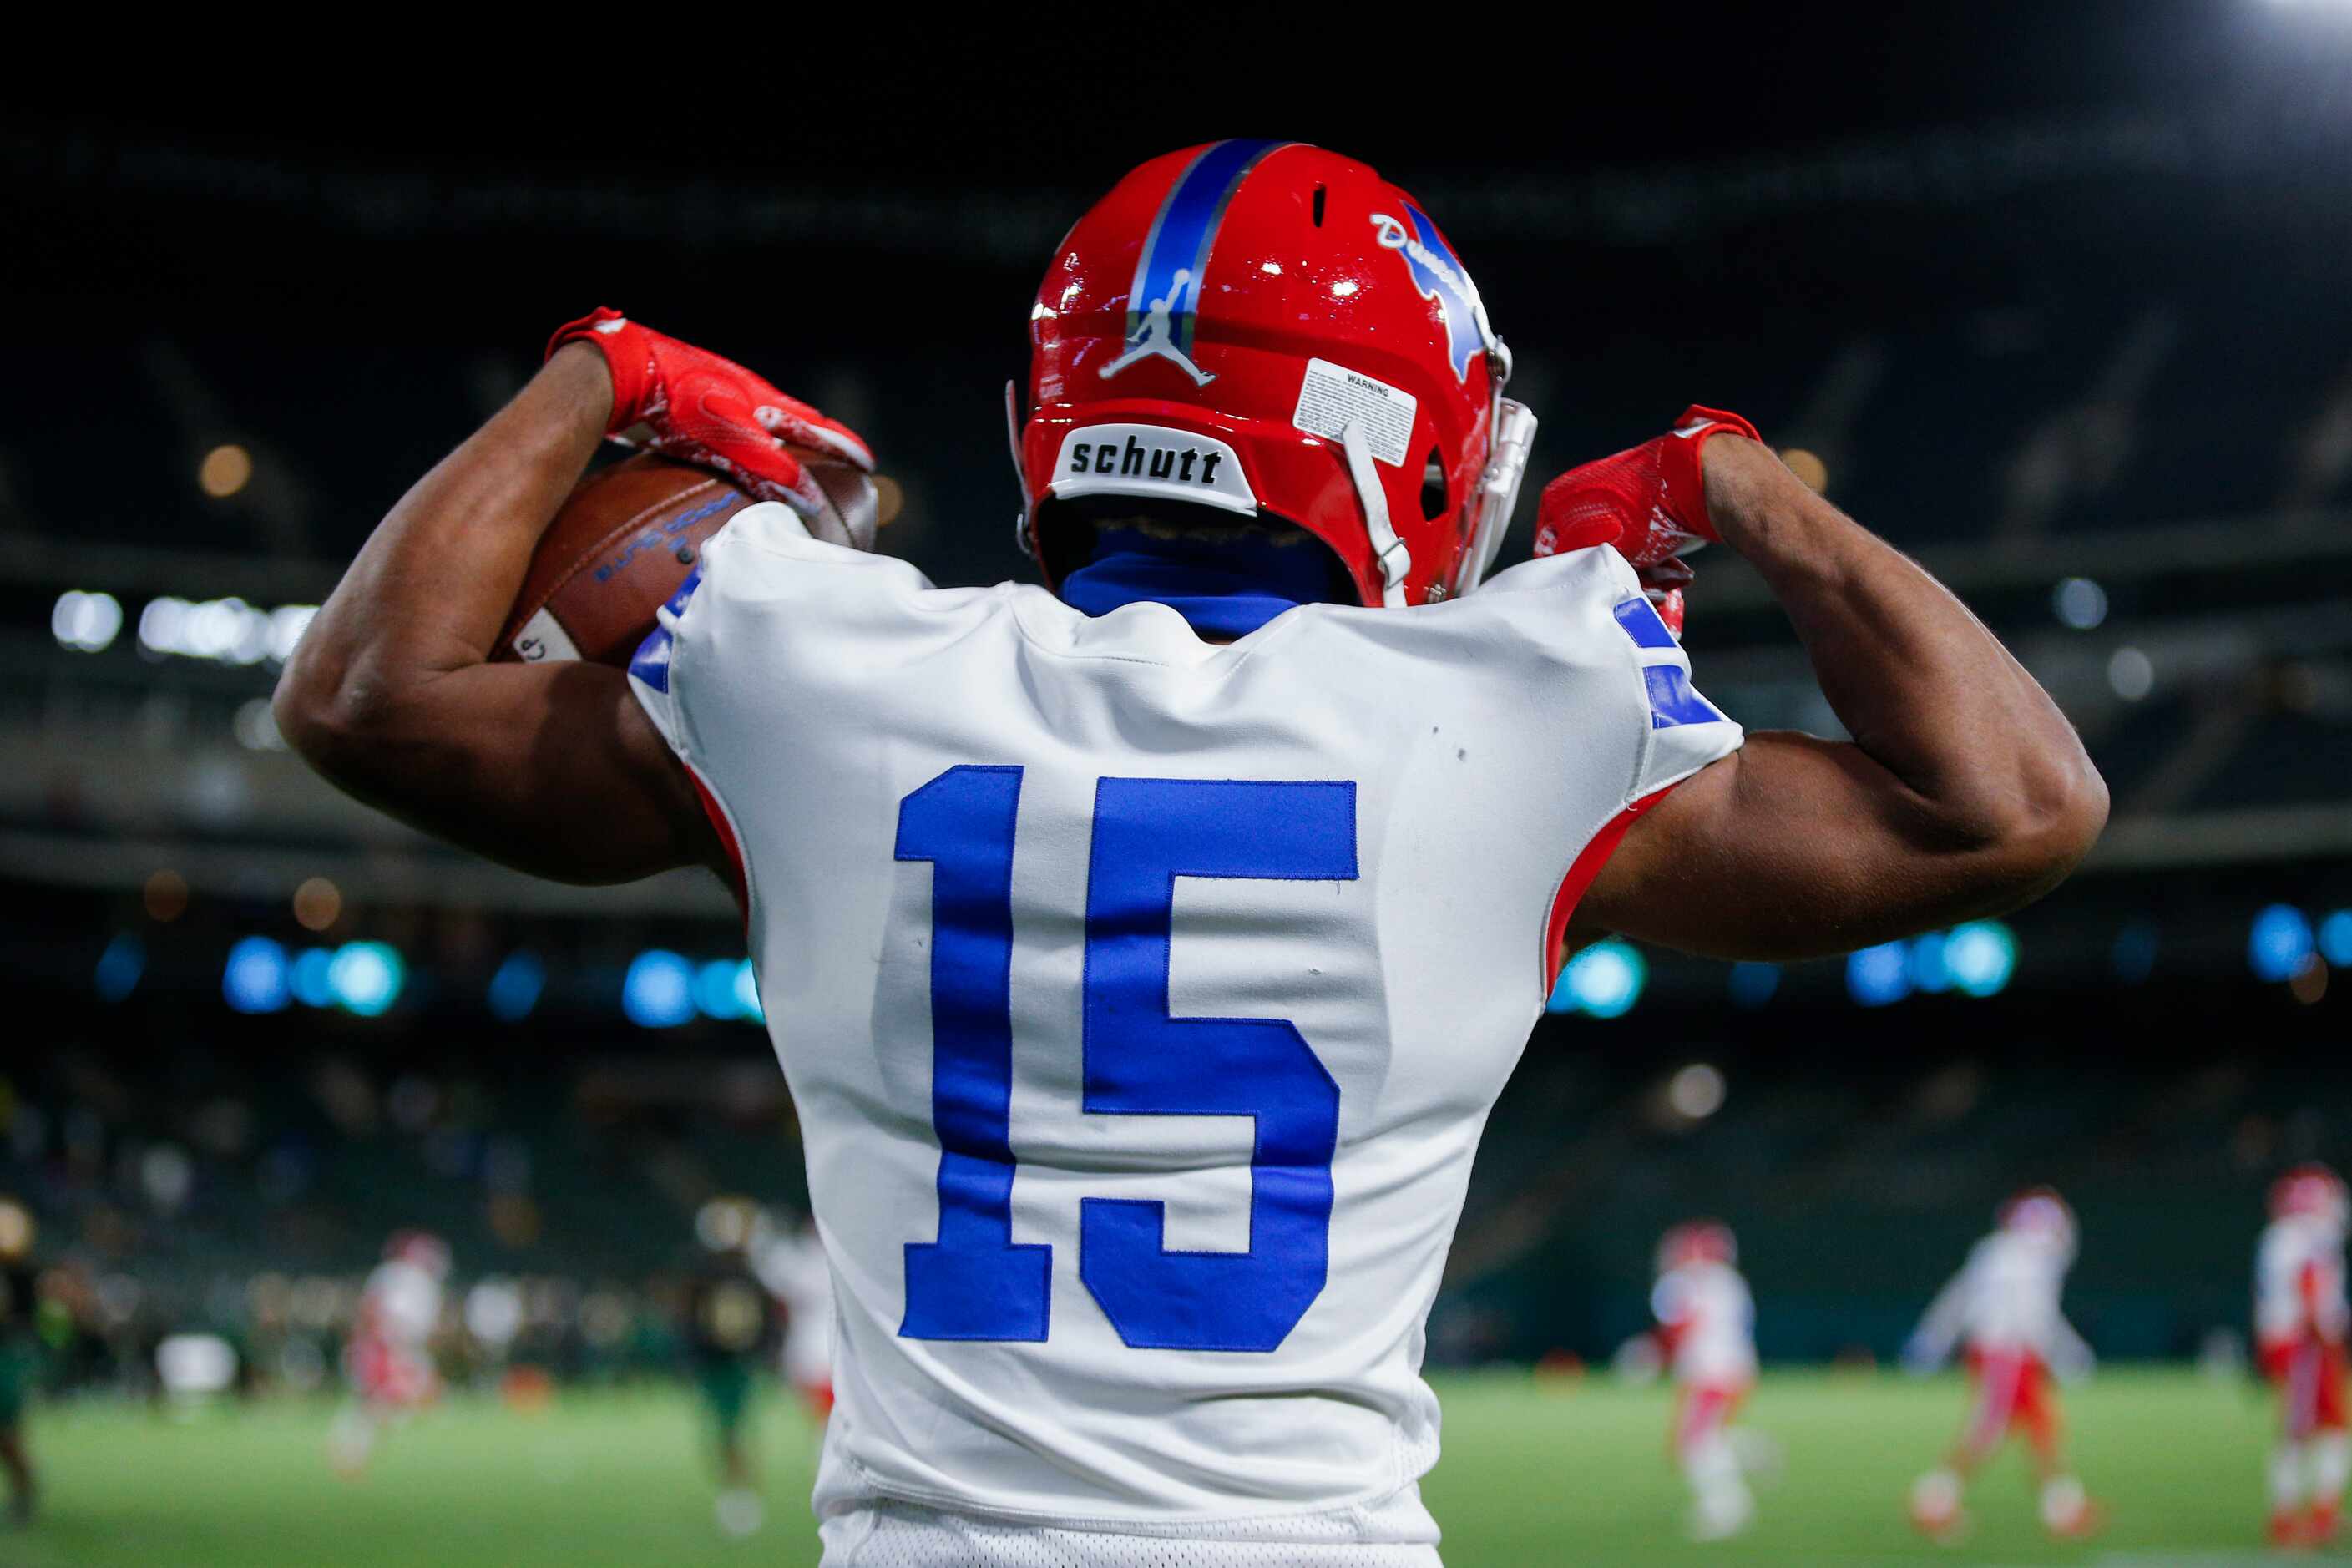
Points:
(975, 1282)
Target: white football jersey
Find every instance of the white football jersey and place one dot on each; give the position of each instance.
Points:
(2006, 1300)
(2299, 1281)
(404, 1302)
(1143, 1000)
(1713, 1317)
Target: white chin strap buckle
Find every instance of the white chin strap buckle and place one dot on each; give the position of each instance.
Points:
(1396, 561)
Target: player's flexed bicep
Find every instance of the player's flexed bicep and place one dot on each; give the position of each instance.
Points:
(1965, 792)
(552, 768)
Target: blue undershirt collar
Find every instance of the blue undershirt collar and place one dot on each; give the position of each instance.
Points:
(1222, 588)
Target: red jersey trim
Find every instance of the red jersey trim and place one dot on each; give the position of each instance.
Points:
(1586, 867)
(742, 883)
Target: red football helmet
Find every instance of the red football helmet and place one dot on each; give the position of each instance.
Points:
(421, 1247)
(2312, 1191)
(1697, 1241)
(1271, 330)
(2039, 1212)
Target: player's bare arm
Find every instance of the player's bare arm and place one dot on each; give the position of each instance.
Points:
(551, 768)
(1965, 792)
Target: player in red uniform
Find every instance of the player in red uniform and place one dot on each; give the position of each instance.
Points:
(2300, 1322)
(387, 1362)
(1706, 1334)
(2003, 1305)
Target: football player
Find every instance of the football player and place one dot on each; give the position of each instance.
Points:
(2300, 1319)
(387, 1361)
(1153, 943)
(2003, 1305)
(1707, 1322)
(20, 1361)
(729, 1324)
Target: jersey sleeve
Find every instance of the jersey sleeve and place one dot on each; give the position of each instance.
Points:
(653, 668)
(1686, 732)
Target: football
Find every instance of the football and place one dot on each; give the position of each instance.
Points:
(626, 538)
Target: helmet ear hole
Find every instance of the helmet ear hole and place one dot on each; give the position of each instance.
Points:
(1433, 487)
(1318, 207)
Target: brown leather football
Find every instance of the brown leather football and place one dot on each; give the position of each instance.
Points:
(628, 536)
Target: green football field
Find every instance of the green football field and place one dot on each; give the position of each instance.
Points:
(1564, 1472)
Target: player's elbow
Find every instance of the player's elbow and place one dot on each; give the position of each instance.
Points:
(334, 722)
(2029, 836)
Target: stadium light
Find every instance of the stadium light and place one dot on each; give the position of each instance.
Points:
(657, 993)
(222, 631)
(2079, 603)
(365, 977)
(514, 988)
(225, 470)
(310, 977)
(2131, 673)
(86, 623)
(119, 967)
(1697, 1091)
(2280, 942)
(2335, 939)
(1604, 980)
(747, 993)
(1929, 971)
(714, 989)
(1875, 976)
(1980, 956)
(254, 978)
(1752, 984)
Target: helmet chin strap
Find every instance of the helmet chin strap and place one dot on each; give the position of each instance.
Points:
(1395, 560)
(1020, 475)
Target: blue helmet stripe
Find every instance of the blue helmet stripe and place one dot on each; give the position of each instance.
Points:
(1180, 236)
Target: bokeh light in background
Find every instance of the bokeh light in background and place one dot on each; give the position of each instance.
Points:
(1980, 956)
(2279, 944)
(318, 904)
(1875, 976)
(658, 991)
(256, 977)
(226, 470)
(365, 977)
(514, 988)
(2080, 602)
(1604, 980)
(311, 980)
(166, 896)
(2132, 674)
(1697, 1091)
(119, 967)
(86, 623)
(2335, 938)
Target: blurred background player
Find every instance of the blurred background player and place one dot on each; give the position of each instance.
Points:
(1706, 1337)
(790, 1264)
(2003, 1305)
(729, 1324)
(20, 1355)
(2300, 1321)
(389, 1362)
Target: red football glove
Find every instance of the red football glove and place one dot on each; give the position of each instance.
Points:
(712, 412)
(1649, 501)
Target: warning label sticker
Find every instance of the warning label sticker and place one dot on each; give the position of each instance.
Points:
(1333, 396)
